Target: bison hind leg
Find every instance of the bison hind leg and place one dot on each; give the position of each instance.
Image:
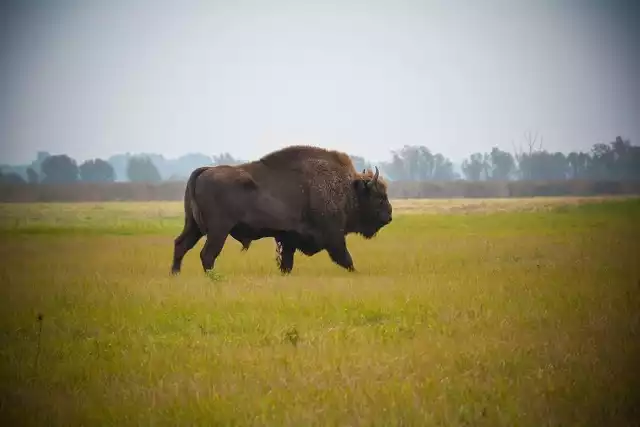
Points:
(183, 244)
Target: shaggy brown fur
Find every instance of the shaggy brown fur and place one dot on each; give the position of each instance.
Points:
(307, 198)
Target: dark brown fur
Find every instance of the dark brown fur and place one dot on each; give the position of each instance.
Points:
(307, 198)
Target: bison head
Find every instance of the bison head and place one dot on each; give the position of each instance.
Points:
(374, 209)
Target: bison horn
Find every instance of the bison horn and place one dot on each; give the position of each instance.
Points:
(374, 179)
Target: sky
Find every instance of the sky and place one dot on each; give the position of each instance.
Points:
(96, 78)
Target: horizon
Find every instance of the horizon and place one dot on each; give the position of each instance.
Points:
(215, 78)
(107, 157)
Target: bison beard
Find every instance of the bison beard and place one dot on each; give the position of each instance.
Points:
(306, 198)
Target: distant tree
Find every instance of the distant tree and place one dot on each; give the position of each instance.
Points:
(359, 163)
(475, 167)
(36, 165)
(602, 166)
(633, 163)
(501, 165)
(619, 160)
(41, 156)
(579, 164)
(184, 165)
(557, 166)
(539, 164)
(142, 169)
(418, 163)
(523, 158)
(225, 159)
(160, 164)
(97, 170)
(59, 169)
(119, 164)
(542, 165)
(394, 169)
(11, 178)
(32, 176)
(430, 166)
(442, 169)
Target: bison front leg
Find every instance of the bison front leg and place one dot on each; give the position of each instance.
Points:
(285, 251)
(340, 254)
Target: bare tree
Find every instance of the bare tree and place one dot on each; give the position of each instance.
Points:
(523, 159)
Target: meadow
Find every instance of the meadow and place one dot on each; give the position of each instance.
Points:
(506, 312)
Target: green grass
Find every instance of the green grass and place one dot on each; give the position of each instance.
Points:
(460, 317)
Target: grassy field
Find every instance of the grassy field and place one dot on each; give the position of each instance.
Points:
(463, 313)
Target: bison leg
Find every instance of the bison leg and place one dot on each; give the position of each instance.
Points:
(183, 244)
(340, 254)
(285, 251)
(211, 249)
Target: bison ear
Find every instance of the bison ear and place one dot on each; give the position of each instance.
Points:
(360, 185)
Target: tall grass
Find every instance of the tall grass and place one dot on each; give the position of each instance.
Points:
(455, 318)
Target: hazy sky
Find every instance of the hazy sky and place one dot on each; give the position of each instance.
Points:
(96, 78)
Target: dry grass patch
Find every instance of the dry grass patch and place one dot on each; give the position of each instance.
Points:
(529, 204)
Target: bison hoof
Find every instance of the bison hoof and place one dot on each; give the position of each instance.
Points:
(175, 271)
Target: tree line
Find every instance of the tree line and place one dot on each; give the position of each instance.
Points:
(617, 160)
(149, 168)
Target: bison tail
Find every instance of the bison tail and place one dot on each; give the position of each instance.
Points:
(191, 206)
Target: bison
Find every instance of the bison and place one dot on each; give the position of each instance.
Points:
(306, 198)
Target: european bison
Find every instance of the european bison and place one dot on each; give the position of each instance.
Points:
(307, 198)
